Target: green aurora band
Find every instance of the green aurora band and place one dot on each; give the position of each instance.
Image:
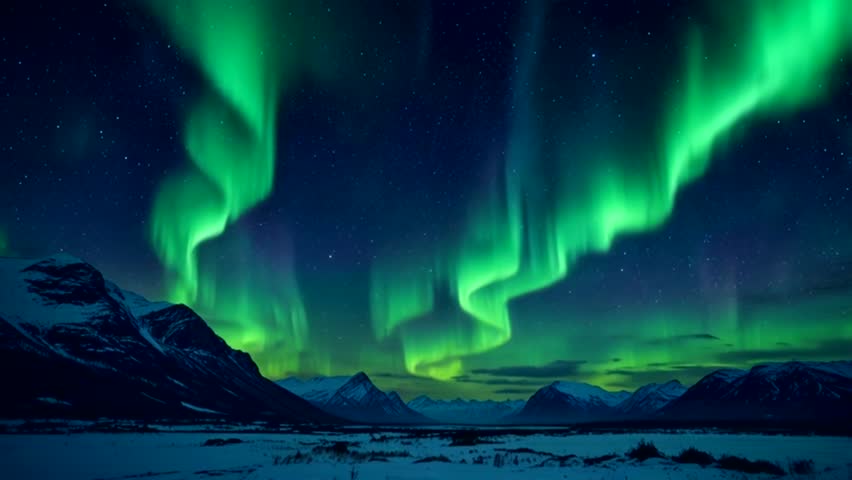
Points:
(230, 137)
(533, 224)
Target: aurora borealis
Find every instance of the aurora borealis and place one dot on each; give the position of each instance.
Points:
(463, 199)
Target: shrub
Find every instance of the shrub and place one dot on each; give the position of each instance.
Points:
(439, 458)
(383, 456)
(336, 448)
(465, 438)
(297, 457)
(740, 464)
(643, 451)
(802, 467)
(694, 455)
(219, 442)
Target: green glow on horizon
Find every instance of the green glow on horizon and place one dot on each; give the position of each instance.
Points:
(229, 134)
(534, 224)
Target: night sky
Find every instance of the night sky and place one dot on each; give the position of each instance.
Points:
(460, 198)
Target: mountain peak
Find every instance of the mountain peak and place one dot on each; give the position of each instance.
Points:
(649, 399)
(63, 258)
(354, 397)
(61, 319)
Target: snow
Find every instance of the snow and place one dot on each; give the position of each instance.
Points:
(199, 409)
(150, 339)
(153, 398)
(652, 397)
(18, 305)
(839, 368)
(177, 382)
(171, 456)
(728, 375)
(355, 390)
(315, 390)
(53, 401)
(586, 392)
(140, 306)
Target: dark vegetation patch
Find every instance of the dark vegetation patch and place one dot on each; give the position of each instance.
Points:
(643, 451)
(242, 471)
(297, 457)
(383, 456)
(333, 448)
(694, 456)
(802, 467)
(142, 475)
(525, 450)
(510, 456)
(560, 460)
(588, 461)
(744, 465)
(468, 438)
(439, 458)
(220, 442)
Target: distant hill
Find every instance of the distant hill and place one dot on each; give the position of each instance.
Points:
(458, 411)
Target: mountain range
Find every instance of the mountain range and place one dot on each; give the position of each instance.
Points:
(790, 391)
(459, 411)
(74, 345)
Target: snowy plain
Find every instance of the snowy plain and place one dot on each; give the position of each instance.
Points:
(180, 455)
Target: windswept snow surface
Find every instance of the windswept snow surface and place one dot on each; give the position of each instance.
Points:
(170, 456)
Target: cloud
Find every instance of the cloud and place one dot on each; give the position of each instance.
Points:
(681, 338)
(403, 376)
(497, 381)
(830, 349)
(558, 368)
(615, 360)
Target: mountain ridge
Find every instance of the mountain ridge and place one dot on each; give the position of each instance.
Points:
(63, 323)
(461, 411)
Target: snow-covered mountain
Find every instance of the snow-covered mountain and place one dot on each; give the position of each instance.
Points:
(355, 398)
(780, 391)
(650, 399)
(317, 390)
(564, 402)
(75, 345)
(460, 411)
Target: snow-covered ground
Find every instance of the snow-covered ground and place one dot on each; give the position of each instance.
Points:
(168, 456)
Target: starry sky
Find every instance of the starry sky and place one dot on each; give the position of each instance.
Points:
(461, 198)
